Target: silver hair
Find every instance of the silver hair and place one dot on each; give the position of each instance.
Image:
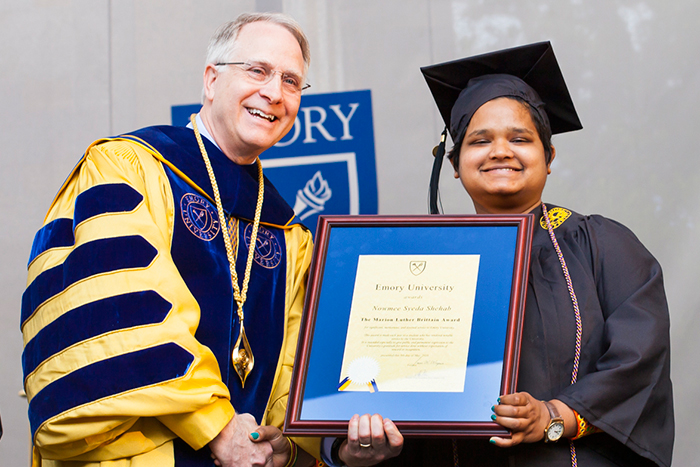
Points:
(223, 42)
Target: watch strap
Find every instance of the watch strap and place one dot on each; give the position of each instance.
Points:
(553, 412)
(554, 418)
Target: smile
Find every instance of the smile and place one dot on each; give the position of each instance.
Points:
(502, 169)
(261, 114)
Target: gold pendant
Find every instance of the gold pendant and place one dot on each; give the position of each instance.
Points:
(242, 357)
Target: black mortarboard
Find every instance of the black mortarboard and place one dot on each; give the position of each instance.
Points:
(535, 64)
(530, 72)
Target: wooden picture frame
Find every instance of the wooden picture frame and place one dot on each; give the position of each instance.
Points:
(320, 400)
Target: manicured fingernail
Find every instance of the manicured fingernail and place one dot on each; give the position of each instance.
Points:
(255, 435)
(493, 408)
(493, 417)
(498, 400)
(492, 441)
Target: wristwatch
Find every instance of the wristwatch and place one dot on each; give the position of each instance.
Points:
(555, 429)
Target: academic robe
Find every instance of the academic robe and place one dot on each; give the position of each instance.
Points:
(624, 385)
(129, 319)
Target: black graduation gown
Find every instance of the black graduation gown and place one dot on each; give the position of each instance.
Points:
(624, 384)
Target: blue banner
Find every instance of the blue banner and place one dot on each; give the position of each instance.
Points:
(326, 163)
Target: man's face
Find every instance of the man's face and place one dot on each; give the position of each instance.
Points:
(246, 117)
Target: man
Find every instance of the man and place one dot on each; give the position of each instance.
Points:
(163, 301)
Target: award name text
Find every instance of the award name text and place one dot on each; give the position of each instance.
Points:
(414, 288)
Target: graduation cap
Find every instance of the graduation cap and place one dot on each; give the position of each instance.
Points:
(530, 72)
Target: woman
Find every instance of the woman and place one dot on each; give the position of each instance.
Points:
(594, 364)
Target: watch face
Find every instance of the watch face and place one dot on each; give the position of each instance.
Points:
(555, 431)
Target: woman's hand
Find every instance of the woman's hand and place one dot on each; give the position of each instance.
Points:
(281, 449)
(527, 417)
(371, 440)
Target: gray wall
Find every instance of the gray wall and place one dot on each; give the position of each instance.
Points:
(72, 71)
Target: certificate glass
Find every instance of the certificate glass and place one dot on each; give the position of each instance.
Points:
(415, 318)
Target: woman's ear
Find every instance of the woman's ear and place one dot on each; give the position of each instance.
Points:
(454, 167)
(549, 166)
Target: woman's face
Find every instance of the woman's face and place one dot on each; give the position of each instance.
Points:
(502, 164)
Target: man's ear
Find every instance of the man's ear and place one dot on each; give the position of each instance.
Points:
(549, 166)
(211, 74)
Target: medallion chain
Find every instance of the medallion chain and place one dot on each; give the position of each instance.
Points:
(242, 359)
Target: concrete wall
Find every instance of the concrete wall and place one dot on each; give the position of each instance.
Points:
(74, 70)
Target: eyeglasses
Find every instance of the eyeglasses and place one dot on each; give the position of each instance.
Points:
(262, 74)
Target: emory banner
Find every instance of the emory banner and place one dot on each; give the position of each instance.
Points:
(326, 163)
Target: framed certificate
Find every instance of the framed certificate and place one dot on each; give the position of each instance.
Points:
(416, 318)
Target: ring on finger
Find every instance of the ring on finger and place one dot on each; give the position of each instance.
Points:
(368, 445)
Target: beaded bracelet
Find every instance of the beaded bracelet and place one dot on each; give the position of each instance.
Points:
(584, 428)
(293, 455)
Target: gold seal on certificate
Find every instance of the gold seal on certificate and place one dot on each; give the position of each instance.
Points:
(410, 323)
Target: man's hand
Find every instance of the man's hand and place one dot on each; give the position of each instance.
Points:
(234, 447)
(371, 440)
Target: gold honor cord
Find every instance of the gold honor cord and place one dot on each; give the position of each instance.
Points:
(242, 355)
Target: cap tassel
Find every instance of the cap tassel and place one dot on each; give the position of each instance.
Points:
(439, 153)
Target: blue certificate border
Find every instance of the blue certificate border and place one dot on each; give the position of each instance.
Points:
(316, 403)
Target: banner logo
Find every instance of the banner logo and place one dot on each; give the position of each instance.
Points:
(312, 198)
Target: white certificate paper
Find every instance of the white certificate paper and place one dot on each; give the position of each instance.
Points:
(410, 323)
